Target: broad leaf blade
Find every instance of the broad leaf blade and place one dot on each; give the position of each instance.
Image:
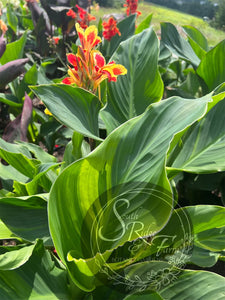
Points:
(14, 50)
(8, 172)
(38, 278)
(205, 227)
(211, 68)
(134, 92)
(18, 157)
(125, 161)
(204, 258)
(144, 24)
(196, 285)
(5, 233)
(197, 40)
(39, 153)
(177, 44)
(202, 147)
(73, 107)
(196, 36)
(13, 257)
(26, 217)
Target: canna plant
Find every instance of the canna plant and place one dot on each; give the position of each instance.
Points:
(108, 222)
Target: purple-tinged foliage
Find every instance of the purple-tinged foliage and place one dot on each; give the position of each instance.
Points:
(17, 129)
(11, 70)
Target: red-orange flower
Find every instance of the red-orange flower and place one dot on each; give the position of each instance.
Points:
(85, 17)
(88, 38)
(76, 74)
(89, 68)
(71, 14)
(110, 29)
(56, 39)
(104, 71)
(132, 7)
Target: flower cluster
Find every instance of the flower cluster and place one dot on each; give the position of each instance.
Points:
(132, 7)
(82, 16)
(110, 29)
(89, 67)
(71, 14)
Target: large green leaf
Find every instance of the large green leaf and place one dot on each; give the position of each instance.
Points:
(14, 257)
(39, 153)
(204, 258)
(201, 226)
(196, 36)
(195, 285)
(208, 223)
(38, 278)
(173, 283)
(19, 157)
(130, 161)
(26, 217)
(142, 85)
(14, 50)
(5, 233)
(211, 67)
(42, 178)
(73, 107)
(8, 172)
(144, 24)
(202, 217)
(201, 149)
(177, 44)
(197, 40)
(149, 275)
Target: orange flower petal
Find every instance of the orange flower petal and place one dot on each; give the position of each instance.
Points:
(119, 70)
(115, 69)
